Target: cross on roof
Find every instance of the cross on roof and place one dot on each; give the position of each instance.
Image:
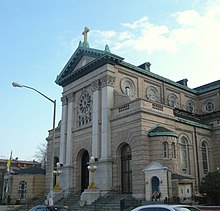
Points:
(85, 32)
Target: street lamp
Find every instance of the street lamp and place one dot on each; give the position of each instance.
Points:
(15, 84)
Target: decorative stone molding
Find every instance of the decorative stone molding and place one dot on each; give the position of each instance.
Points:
(108, 80)
(85, 109)
(64, 100)
(95, 85)
(127, 83)
(70, 97)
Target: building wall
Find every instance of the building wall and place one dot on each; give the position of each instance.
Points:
(35, 187)
(132, 117)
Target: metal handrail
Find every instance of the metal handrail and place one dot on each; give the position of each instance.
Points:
(63, 194)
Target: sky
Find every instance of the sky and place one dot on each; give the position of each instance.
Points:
(180, 38)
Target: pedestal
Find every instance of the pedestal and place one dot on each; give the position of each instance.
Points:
(89, 196)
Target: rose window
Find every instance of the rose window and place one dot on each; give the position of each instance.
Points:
(85, 103)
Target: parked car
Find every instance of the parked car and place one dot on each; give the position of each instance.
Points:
(163, 207)
(49, 208)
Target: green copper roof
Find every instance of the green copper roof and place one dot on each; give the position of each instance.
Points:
(102, 57)
(69, 74)
(161, 131)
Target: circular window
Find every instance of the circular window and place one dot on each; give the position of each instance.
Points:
(152, 94)
(209, 106)
(173, 101)
(190, 106)
(85, 103)
(127, 86)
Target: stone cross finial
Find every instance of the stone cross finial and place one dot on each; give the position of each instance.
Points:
(85, 32)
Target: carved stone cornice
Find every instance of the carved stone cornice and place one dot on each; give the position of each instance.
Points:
(64, 100)
(70, 97)
(95, 85)
(108, 80)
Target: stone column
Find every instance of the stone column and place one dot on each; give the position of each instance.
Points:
(69, 130)
(107, 83)
(62, 157)
(96, 142)
(66, 177)
(103, 175)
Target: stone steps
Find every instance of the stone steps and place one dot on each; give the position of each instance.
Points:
(111, 202)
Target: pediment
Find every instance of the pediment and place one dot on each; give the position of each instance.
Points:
(154, 165)
(83, 61)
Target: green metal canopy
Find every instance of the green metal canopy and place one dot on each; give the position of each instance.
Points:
(161, 131)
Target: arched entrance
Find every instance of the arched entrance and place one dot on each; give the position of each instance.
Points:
(126, 173)
(84, 171)
(155, 184)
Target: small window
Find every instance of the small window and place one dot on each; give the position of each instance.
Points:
(127, 90)
(205, 157)
(184, 154)
(152, 94)
(165, 150)
(173, 100)
(22, 190)
(173, 146)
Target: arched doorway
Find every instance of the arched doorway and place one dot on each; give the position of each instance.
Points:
(84, 171)
(126, 173)
(155, 184)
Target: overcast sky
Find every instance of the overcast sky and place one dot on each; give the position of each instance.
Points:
(180, 38)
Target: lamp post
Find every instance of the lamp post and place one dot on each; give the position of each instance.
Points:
(57, 173)
(92, 168)
(15, 84)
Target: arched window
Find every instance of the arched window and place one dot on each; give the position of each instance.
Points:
(155, 184)
(173, 100)
(126, 171)
(165, 150)
(127, 90)
(190, 106)
(152, 94)
(184, 155)
(205, 157)
(22, 190)
(173, 147)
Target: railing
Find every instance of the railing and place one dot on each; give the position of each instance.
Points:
(115, 191)
(63, 194)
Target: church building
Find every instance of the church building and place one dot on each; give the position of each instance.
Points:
(149, 136)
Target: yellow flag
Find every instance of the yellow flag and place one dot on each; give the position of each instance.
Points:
(9, 163)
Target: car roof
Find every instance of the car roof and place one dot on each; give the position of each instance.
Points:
(170, 207)
(154, 205)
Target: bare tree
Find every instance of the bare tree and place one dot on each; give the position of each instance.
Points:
(41, 154)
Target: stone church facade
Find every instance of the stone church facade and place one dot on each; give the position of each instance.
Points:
(151, 136)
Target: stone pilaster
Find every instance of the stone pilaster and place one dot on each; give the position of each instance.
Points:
(62, 157)
(69, 130)
(96, 136)
(103, 176)
(66, 178)
(107, 83)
